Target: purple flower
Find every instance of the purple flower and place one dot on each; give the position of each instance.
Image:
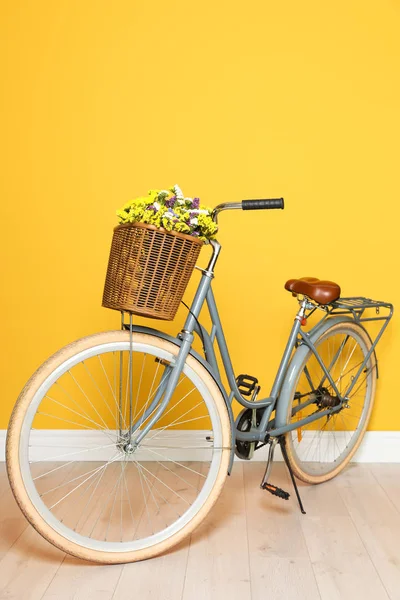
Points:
(196, 233)
(152, 207)
(170, 203)
(196, 203)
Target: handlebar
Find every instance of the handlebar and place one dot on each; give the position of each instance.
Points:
(266, 204)
(263, 204)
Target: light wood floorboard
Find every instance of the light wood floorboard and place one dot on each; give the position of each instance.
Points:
(377, 522)
(280, 565)
(162, 577)
(388, 476)
(218, 562)
(341, 563)
(12, 521)
(252, 546)
(3, 478)
(76, 580)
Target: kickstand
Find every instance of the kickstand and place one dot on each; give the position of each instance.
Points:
(282, 442)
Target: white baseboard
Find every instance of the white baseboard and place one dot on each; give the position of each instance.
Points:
(376, 447)
(3, 445)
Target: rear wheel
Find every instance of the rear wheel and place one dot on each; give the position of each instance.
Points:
(320, 450)
(75, 475)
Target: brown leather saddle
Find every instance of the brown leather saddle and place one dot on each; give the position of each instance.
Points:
(319, 290)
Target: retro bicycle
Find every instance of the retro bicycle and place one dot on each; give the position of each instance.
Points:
(120, 443)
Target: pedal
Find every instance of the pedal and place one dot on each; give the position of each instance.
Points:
(275, 491)
(246, 384)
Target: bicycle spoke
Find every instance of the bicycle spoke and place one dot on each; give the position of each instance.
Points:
(362, 383)
(177, 422)
(167, 486)
(149, 487)
(149, 396)
(176, 463)
(164, 499)
(104, 431)
(139, 386)
(74, 411)
(72, 480)
(143, 409)
(75, 488)
(100, 392)
(58, 384)
(87, 398)
(129, 500)
(179, 402)
(101, 475)
(118, 484)
(145, 497)
(66, 464)
(112, 392)
(53, 458)
(103, 508)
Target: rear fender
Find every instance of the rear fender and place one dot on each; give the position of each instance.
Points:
(297, 360)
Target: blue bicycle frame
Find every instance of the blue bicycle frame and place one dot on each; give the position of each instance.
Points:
(278, 400)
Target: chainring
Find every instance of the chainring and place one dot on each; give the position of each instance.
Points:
(245, 450)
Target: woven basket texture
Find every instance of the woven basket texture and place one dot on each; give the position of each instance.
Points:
(148, 270)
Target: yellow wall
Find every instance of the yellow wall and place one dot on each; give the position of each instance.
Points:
(102, 100)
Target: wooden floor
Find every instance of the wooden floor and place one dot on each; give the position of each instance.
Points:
(252, 546)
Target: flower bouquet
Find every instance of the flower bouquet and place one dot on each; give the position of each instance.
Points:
(172, 211)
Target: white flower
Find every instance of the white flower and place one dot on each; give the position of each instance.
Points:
(168, 215)
(194, 221)
(180, 200)
(157, 205)
(178, 192)
(199, 211)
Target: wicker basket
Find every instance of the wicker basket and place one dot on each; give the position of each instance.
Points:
(148, 270)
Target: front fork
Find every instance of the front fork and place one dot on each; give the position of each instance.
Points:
(162, 397)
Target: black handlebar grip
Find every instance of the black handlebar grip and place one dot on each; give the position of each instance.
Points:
(263, 204)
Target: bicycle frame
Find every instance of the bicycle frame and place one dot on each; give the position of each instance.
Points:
(267, 427)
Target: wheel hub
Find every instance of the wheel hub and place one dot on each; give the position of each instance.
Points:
(325, 399)
(129, 448)
(125, 445)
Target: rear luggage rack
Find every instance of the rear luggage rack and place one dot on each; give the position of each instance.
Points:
(357, 305)
(360, 308)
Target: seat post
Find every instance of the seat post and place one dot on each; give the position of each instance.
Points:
(305, 305)
(301, 313)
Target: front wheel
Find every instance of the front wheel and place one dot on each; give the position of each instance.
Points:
(319, 450)
(75, 475)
